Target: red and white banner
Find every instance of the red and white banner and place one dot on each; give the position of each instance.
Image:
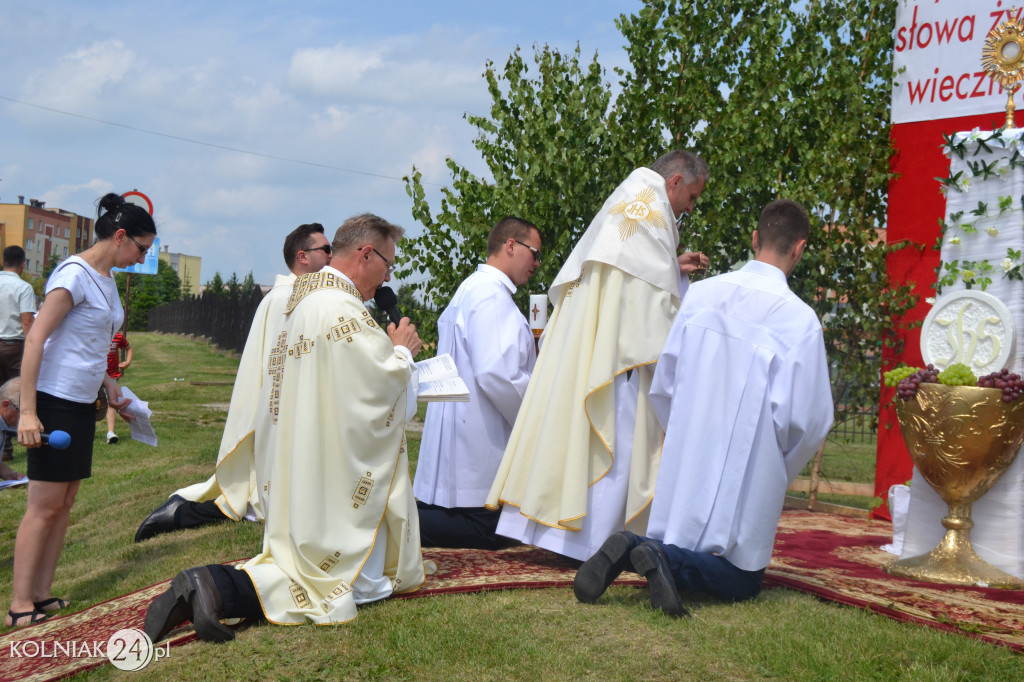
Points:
(938, 59)
(940, 88)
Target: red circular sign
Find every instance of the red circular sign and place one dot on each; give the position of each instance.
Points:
(148, 205)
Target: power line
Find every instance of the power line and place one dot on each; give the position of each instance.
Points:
(210, 144)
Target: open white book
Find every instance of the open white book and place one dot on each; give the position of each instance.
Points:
(439, 381)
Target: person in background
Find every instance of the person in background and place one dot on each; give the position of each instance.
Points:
(62, 370)
(115, 368)
(232, 494)
(17, 311)
(10, 393)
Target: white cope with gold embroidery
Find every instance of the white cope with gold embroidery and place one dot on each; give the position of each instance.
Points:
(583, 454)
(341, 522)
(233, 487)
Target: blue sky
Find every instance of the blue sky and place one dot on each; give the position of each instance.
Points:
(372, 87)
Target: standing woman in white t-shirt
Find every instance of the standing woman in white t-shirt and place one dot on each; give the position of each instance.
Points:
(62, 369)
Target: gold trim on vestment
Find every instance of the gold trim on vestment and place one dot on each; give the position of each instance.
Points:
(275, 368)
(312, 281)
(591, 421)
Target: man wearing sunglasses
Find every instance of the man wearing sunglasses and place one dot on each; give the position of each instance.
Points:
(583, 454)
(491, 343)
(228, 495)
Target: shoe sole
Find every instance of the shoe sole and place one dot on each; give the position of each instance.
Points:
(209, 630)
(161, 617)
(595, 575)
(664, 595)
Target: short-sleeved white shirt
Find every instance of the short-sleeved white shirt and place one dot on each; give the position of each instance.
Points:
(16, 297)
(75, 354)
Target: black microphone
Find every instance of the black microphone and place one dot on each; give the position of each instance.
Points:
(386, 300)
(58, 440)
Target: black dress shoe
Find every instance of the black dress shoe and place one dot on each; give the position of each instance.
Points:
(601, 570)
(196, 586)
(167, 612)
(650, 561)
(161, 520)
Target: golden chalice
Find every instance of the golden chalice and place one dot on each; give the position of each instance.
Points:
(962, 439)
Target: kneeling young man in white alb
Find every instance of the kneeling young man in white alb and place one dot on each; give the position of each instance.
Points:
(492, 346)
(743, 392)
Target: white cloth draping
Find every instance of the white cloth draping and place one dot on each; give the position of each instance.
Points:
(341, 522)
(233, 485)
(614, 301)
(998, 533)
(492, 346)
(743, 392)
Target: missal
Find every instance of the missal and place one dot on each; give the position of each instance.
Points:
(439, 381)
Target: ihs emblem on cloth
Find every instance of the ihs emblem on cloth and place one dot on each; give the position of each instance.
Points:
(638, 212)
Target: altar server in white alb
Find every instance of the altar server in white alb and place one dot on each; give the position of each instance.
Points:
(341, 526)
(583, 454)
(491, 343)
(743, 392)
(232, 493)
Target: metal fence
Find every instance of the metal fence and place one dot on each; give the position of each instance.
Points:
(855, 425)
(224, 320)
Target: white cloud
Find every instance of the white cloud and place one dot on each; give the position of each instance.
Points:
(333, 70)
(78, 79)
(84, 194)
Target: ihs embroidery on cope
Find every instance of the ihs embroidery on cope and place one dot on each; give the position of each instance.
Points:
(362, 491)
(329, 562)
(275, 368)
(638, 212)
(299, 595)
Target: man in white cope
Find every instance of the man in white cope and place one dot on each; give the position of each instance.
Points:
(492, 345)
(743, 392)
(341, 526)
(582, 457)
(231, 493)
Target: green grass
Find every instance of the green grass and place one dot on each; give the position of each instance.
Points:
(516, 634)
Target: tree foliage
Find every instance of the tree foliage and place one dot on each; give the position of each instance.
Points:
(547, 143)
(785, 100)
(215, 287)
(781, 99)
(148, 291)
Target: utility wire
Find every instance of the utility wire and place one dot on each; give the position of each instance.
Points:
(210, 144)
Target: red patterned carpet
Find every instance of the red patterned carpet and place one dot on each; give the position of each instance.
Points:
(838, 558)
(833, 557)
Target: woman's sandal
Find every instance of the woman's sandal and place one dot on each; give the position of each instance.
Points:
(37, 616)
(60, 604)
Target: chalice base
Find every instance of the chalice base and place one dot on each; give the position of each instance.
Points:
(954, 562)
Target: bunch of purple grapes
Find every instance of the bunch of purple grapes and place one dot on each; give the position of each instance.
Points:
(1010, 384)
(907, 388)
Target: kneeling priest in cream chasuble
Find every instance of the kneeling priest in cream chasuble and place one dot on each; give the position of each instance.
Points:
(233, 487)
(583, 455)
(341, 522)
